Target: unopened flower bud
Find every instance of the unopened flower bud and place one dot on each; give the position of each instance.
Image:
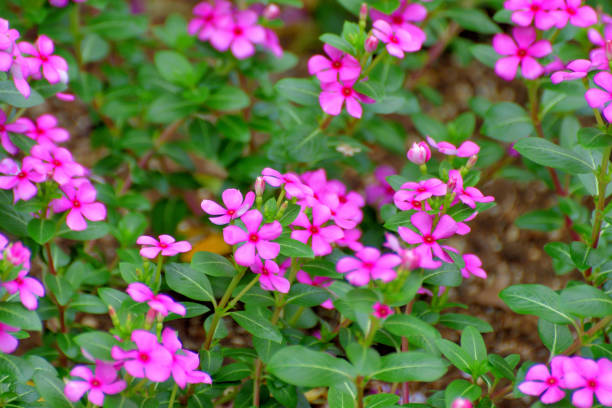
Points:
(608, 48)
(271, 12)
(419, 153)
(150, 318)
(371, 43)
(113, 315)
(260, 186)
(472, 161)
(452, 183)
(363, 12)
(462, 403)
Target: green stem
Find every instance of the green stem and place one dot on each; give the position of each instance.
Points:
(360, 387)
(375, 62)
(296, 316)
(242, 293)
(602, 184)
(158, 269)
(173, 396)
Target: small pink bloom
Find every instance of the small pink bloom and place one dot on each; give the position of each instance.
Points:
(410, 258)
(339, 66)
(334, 95)
(8, 343)
(588, 377)
(17, 254)
(29, 289)
(19, 126)
(150, 360)
(428, 239)
(541, 382)
(406, 200)
(163, 304)
(103, 382)
(368, 265)
(351, 239)
(466, 149)
(66, 97)
(184, 362)
(402, 19)
(322, 237)
(461, 403)
(207, 18)
(396, 40)
(601, 56)
(578, 69)
(419, 153)
(239, 32)
(257, 241)
(426, 188)
(57, 162)
(371, 44)
(45, 130)
(270, 276)
(572, 11)
(81, 202)
(292, 184)
(235, 206)
(381, 311)
(20, 180)
(271, 12)
(596, 98)
(54, 67)
(528, 11)
(166, 244)
(473, 267)
(272, 43)
(380, 192)
(468, 195)
(523, 50)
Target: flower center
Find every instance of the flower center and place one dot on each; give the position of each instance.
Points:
(393, 39)
(209, 17)
(253, 238)
(238, 31)
(144, 357)
(21, 175)
(421, 189)
(95, 383)
(346, 91)
(521, 52)
(428, 239)
(342, 199)
(337, 64)
(314, 229)
(76, 203)
(56, 163)
(265, 272)
(163, 245)
(389, 190)
(368, 265)
(19, 281)
(551, 381)
(571, 11)
(416, 204)
(397, 19)
(231, 212)
(534, 8)
(592, 384)
(383, 312)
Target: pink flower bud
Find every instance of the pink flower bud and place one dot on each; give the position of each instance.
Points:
(260, 186)
(419, 153)
(371, 43)
(452, 183)
(271, 12)
(608, 48)
(472, 161)
(363, 12)
(462, 403)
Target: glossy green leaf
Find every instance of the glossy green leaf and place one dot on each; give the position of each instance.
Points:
(549, 154)
(538, 300)
(189, 282)
(410, 366)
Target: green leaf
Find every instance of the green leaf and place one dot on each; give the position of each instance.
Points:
(460, 321)
(94, 231)
(586, 301)
(61, 288)
(364, 359)
(93, 48)
(538, 300)
(455, 354)
(410, 366)
(41, 231)
(341, 396)
(234, 128)
(168, 108)
(381, 400)
(386, 6)
(428, 126)
(294, 249)
(594, 138)
(540, 220)
(306, 295)
(337, 42)
(473, 343)
(112, 297)
(16, 315)
(321, 267)
(97, 343)
(227, 98)
(557, 338)
(301, 366)
(192, 309)
(500, 367)
(175, 68)
(256, 324)
(212, 264)
(417, 331)
(560, 254)
(473, 19)
(447, 275)
(507, 122)
(51, 389)
(88, 303)
(10, 95)
(117, 25)
(16, 367)
(485, 54)
(300, 91)
(549, 154)
(186, 281)
(461, 389)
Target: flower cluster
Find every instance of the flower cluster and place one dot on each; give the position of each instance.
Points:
(25, 60)
(63, 3)
(583, 376)
(546, 14)
(227, 28)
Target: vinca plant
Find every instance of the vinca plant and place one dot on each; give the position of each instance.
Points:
(259, 204)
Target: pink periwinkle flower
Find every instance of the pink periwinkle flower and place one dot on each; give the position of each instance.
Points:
(351, 239)
(403, 17)
(80, 200)
(166, 244)
(104, 381)
(577, 69)
(272, 43)
(427, 238)
(29, 289)
(381, 311)
(468, 195)
(406, 200)
(207, 18)
(425, 189)
(317, 281)
(538, 11)
(66, 97)
(523, 50)
(601, 56)
(257, 241)
(163, 304)
(573, 12)
(410, 258)
(8, 343)
(466, 149)
(344, 196)
(461, 403)
(339, 66)
(473, 267)
(20, 180)
(597, 98)
(19, 126)
(184, 362)
(150, 359)
(54, 67)
(294, 187)
(238, 33)
(419, 153)
(17, 254)
(270, 276)
(368, 264)
(45, 130)
(588, 377)
(321, 236)
(8, 36)
(334, 95)
(57, 162)
(381, 191)
(539, 381)
(235, 206)
(396, 40)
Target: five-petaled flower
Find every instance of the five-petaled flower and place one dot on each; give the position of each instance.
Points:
(166, 244)
(256, 240)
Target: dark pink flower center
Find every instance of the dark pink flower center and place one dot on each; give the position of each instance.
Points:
(19, 281)
(238, 31)
(163, 245)
(231, 212)
(265, 272)
(337, 64)
(521, 52)
(95, 383)
(383, 312)
(143, 357)
(397, 19)
(421, 189)
(535, 8)
(551, 381)
(342, 199)
(209, 17)
(592, 384)
(21, 175)
(389, 190)
(346, 91)
(2, 128)
(571, 11)
(253, 238)
(39, 132)
(314, 229)
(428, 239)
(416, 204)
(368, 265)
(56, 163)
(393, 39)
(76, 203)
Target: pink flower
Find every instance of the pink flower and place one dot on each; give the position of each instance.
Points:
(461, 403)
(45, 130)
(468, 195)
(381, 192)
(402, 17)
(406, 200)
(588, 377)
(322, 237)
(19, 126)
(103, 382)
(381, 311)
(425, 189)
(8, 343)
(527, 11)
(270, 276)
(473, 266)
(368, 265)
(20, 180)
(20, 71)
(419, 153)
(428, 239)
(54, 68)
(579, 16)
(8, 36)
(579, 69)
(150, 360)
(541, 382)
(184, 362)
(599, 56)
(335, 94)
(272, 43)
(207, 18)
(319, 282)
(57, 162)
(596, 98)
(166, 244)
(371, 44)
(467, 148)
(160, 303)
(63, 3)
(255, 239)
(66, 97)
(17, 254)
(80, 200)
(290, 182)
(397, 40)
(523, 52)
(28, 288)
(351, 239)
(410, 258)
(339, 66)
(239, 33)
(234, 204)
(344, 196)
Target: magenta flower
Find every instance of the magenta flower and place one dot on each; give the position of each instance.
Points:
(596, 98)
(339, 66)
(572, 11)
(381, 311)
(184, 362)
(322, 237)
(523, 52)
(578, 69)
(528, 11)
(256, 240)
(8, 343)
(28, 288)
(63, 3)
(468, 195)
(428, 239)
(588, 377)
(80, 200)
(19, 126)
(290, 182)
(380, 192)
(45, 130)
(318, 281)
(351, 239)
(239, 33)
(368, 265)
(466, 149)
(335, 94)
(403, 17)
(166, 244)
(425, 189)
(396, 40)
(270, 276)
(234, 204)
(406, 200)
(54, 67)
(599, 56)
(57, 162)
(419, 153)
(150, 360)
(344, 196)
(473, 267)
(17, 254)
(272, 43)
(8, 36)
(20, 180)
(163, 304)
(541, 382)
(207, 18)
(409, 257)
(104, 381)
(462, 403)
